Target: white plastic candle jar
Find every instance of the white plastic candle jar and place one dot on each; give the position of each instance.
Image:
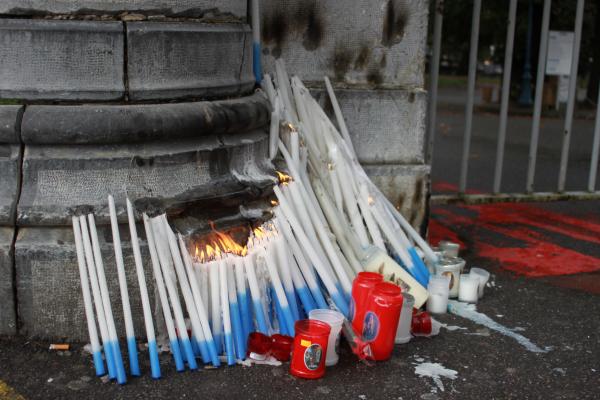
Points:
(468, 291)
(439, 288)
(483, 277)
(403, 331)
(450, 249)
(451, 267)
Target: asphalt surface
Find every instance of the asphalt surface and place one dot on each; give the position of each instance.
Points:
(488, 364)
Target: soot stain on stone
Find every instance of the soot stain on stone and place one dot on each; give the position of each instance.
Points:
(363, 57)
(342, 58)
(383, 61)
(275, 31)
(313, 34)
(419, 189)
(411, 97)
(394, 24)
(374, 77)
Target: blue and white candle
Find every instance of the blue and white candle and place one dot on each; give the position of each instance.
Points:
(87, 301)
(164, 301)
(139, 268)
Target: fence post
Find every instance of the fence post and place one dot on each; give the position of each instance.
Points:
(508, 56)
(470, 94)
(539, 91)
(564, 157)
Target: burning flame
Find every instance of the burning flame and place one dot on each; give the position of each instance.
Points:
(371, 200)
(274, 203)
(283, 178)
(218, 243)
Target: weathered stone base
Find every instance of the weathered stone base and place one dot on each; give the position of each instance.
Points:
(8, 320)
(407, 187)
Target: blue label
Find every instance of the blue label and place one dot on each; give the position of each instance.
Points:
(371, 326)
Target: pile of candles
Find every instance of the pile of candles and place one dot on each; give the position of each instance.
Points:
(330, 223)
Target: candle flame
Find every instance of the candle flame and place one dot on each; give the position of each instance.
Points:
(274, 203)
(371, 200)
(283, 178)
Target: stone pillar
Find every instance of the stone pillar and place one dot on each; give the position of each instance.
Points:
(149, 99)
(374, 53)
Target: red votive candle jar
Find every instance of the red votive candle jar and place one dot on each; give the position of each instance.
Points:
(381, 319)
(310, 349)
(281, 347)
(421, 323)
(259, 346)
(361, 287)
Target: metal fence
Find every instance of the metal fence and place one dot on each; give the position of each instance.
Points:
(528, 193)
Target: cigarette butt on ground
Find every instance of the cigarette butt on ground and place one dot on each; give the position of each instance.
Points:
(59, 346)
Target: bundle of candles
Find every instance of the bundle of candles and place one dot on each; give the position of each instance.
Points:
(330, 222)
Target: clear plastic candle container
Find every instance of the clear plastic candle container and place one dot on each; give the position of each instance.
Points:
(483, 277)
(403, 331)
(335, 320)
(451, 267)
(468, 290)
(450, 249)
(439, 289)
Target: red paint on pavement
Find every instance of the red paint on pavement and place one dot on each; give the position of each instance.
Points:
(538, 252)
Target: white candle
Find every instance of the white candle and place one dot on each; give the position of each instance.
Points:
(306, 269)
(166, 264)
(215, 304)
(269, 257)
(162, 293)
(259, 312)
(439, 289)
(139, 267)
(286, 274)
(229, 350)
(274, 133)
(318, 263)
(200, 305)
(96, 271)
(87, 301)
(338, 113)
(467, 291)
(363, 202)
(129, 330)
(267, 84)
(188, 297)
(240, 283)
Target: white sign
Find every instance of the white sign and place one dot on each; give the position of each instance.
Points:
(560, 51)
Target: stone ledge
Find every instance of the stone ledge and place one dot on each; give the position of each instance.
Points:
(9, 118)
(189, 8)
(8, 320)
(386, 126)
(105, 124)
(179, 60)
(61, 60)
(61, 180)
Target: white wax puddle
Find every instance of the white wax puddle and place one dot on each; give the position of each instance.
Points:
(436, 371)
(469, 311)
(452, 328)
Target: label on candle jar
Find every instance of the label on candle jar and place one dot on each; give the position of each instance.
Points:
(370, 327)
(451, 275)
(312, 356)
(305, 343)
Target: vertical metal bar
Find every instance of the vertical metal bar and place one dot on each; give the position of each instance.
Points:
(508, 56)
(595, 148)
(564, 157)
(434, 75)
(470, 95)
(539, 87)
